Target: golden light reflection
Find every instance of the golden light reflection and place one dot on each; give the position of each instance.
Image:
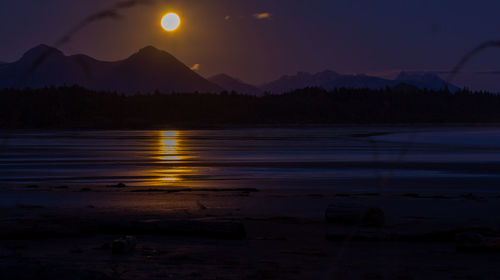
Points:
(169, 145)
(169, 152)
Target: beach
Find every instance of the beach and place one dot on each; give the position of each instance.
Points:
(285, 235)
(249, 140)
(315, 203)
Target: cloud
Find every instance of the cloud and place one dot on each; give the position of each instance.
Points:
(228, 18)
(261, 16)
(195, 67)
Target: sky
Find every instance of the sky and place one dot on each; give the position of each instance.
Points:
(260, 40)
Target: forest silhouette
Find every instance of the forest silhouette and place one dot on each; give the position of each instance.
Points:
(77, 107)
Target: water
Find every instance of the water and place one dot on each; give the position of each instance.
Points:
(342, 158)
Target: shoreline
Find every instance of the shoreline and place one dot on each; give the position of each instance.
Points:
(190, 235)
(256, 126)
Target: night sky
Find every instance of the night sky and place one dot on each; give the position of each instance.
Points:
(260, 40)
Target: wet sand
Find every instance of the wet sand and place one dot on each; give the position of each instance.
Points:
(68, 233)
(341, 158)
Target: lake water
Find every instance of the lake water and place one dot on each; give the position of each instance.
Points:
(444, 159)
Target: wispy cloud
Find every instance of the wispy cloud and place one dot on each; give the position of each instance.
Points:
(261, 16)
(195, 67)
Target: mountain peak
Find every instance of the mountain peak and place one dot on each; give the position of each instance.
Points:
(149, 49)
(42, 49)
(152, 51)
(147, 70)
(152, 54)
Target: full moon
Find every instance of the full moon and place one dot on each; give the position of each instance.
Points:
(170, 21)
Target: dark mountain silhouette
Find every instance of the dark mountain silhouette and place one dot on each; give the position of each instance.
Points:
(232, 84)
(406, 88)
(301, 80)
(45, 66)
(330, 80)
(425, 80)
(151, 69)
(359, 81)
(148, 70)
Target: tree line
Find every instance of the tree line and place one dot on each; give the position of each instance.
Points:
(77, 107)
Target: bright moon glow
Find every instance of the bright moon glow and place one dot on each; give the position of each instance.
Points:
(170, 21)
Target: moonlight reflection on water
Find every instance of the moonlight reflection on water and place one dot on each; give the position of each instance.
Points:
(336, 158)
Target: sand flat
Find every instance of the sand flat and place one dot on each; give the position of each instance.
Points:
(286, 235)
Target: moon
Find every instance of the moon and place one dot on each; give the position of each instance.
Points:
(170, 22)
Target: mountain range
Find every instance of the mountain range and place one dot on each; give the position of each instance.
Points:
(151, 69)
(145, 71)
(330, 80)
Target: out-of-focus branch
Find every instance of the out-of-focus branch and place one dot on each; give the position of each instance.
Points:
(109, 13)
(468, 56)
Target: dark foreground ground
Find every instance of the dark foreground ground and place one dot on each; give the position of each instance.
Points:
(244, 234)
